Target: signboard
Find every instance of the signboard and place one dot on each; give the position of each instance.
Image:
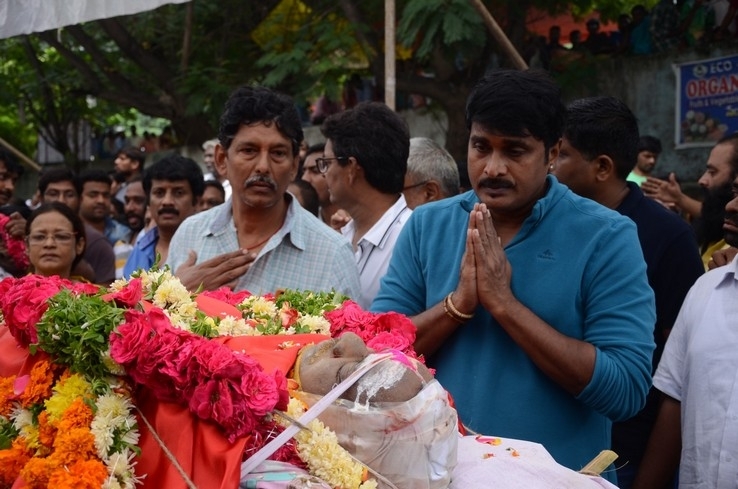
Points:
(707, 101)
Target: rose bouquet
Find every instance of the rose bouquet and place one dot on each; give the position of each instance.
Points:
(70, 418)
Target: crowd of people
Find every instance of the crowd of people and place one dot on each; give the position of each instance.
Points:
(667, 26)
(546, 298)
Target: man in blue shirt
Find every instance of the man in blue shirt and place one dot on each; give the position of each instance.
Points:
(531, 302)
(173, 187)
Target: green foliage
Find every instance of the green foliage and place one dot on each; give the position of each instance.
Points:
(312, 303)
(8, 433)
(427, 23)
(75, 331)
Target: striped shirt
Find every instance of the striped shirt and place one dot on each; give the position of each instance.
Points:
(304, 254)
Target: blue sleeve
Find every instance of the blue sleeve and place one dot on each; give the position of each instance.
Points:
(138, 259)
(619, 321)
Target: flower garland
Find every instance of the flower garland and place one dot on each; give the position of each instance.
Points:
(153, 330)
(16, 247)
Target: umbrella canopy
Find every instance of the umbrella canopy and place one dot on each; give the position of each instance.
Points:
(26, 16)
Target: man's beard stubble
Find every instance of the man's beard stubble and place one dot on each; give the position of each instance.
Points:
(709, 226)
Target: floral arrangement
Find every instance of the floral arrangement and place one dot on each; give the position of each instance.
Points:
(16, 247)
(71, 421)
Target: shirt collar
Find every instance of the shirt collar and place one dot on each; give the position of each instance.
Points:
(378, 234)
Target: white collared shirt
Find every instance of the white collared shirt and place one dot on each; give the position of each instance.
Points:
(699, 368)
(374, 249)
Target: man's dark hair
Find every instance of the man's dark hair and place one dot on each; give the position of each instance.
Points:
(134, 154)
(11, 163)
(518, 103)
(379, 140)
(732, 139)
(56, 175)
(315, 148)
(603, 126)
(252, 105)
(173, 168)
(309, 195)
(91, 176)
(649, 143)
(216, 185)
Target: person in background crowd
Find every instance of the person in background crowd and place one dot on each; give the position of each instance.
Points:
(129, 164)
(98, 263)
(93, 186)
(640, 31)
(134, 212)
(173, 187)
(523, 285)
(305, 195)
(261, 239)
(597, 42)
(599, 147)
(10, 171)
(707, 216)
(208, 156)
(56, 240)
(312, 175)
(432, 173)
(649, 149)
(364, 163)
(212, 196)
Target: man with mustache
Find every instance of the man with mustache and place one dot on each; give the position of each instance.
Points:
(532, 303)
(261, 239)
(696, 428)
(715, 182)
(173, 187)
(134, 211)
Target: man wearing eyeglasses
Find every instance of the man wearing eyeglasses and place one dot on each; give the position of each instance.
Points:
(432, 173)
(312, 175)
(261, 239)
(364, 163)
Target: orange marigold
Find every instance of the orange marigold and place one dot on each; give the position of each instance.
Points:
(6, 395)
(39, 385)
(77, 415)
(87, 474)
(46, 431)
(73, 445)
(37, 472)
(12, 461)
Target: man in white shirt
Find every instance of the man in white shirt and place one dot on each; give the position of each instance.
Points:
(364, 163)
(697, 427)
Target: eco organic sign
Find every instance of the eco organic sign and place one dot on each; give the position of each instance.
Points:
(707, 101)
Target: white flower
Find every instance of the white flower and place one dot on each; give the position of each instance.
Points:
(259, 306)
(21, 418)
(316, 324)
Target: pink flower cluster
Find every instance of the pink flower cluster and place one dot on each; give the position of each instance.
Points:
(227, 295)
(24, 302)
(16, 247)
(385, 331)
(218, 384)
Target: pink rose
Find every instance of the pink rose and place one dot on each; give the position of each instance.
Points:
(389, 341)
(130, 337)
(349, 317)
(288, 315)
(227, 295)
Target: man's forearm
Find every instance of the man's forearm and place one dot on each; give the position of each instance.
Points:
(689, 205)
(664, 448)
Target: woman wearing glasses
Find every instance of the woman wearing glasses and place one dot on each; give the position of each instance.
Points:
(55, 238)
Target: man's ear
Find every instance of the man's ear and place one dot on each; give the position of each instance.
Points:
(432, 191)
(295, 166)
(553, 153)
(605, 168)
(220, 156)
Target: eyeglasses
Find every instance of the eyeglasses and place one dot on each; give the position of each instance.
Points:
(416, 185)
(311, 169)
(57, 238)
(324, 163)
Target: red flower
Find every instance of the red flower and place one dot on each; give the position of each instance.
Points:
(288, 315)
(389, 341)
(128, 296)
(227, 295)
(24, 302)
(130, 338)
(349, 317)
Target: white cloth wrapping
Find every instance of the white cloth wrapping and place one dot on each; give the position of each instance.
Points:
(412, 444)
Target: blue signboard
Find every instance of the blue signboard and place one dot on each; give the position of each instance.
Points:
(707, 101)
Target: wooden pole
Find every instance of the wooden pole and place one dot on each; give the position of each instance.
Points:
(500, 36)
(390, 79)
(25, 159)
